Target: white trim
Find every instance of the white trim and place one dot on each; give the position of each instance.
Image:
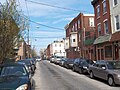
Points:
(103, 1)
(97, 6)
(98, 24)
(88, 14)
(105, 20)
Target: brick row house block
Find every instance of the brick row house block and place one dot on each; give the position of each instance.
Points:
(107, 29)
(80, 36)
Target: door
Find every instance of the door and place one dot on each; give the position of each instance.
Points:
(103, 71)
(102, 54)
(98, 51)
(116, 52)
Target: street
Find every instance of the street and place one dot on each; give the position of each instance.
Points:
(49, 76)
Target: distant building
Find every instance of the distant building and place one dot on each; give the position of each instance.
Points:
(56, 49)
(24, 50)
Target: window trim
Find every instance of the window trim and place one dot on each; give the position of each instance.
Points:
(106, 20)
(97, 28)
(97, 11)
(103, 7)
(114, 3)
(116, 22)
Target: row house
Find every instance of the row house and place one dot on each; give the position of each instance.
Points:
(115, 25)
(79, 36)
(107, 29)
(48, 52)
(56, 49)
(103, 29)
(24, 51)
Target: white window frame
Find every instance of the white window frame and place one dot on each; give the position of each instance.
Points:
(76, 26)
(79, 23)
(104, 7)
(97, 11)
(114, 3)
(99, 24)
(106, 20)
(117, 21)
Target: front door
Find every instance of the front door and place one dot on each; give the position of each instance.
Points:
(116, 52)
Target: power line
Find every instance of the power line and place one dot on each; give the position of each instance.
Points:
(46, 25)
(56, 6)
(47, 37)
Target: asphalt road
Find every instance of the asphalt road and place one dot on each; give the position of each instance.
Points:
(49, 76)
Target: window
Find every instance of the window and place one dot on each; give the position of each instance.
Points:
(98, 11)
(106, 27)
(76, 26)
(60, 45)
(73, 28)
(108, 51)
(104, 7)
(99, 29)
(115, 2)
(55, 45)
(117, 22)
(78, 23)
(73, 40)
(91, 22)
(79, 37)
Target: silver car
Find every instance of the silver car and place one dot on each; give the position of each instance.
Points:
(106, 69)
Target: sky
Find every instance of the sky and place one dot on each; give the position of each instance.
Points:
(41, 36)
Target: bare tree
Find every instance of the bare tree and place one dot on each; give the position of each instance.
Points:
(11, 26)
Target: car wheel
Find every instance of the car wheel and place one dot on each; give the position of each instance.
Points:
(91, 75)
(111, 81)
(80, 71)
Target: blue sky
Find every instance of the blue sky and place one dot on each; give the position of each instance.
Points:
(41, 36)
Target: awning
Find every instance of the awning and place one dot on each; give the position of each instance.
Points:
(115, 36)
(102, 39)
(89, 41)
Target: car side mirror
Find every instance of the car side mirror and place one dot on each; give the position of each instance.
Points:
(85, 67)
(104, 67)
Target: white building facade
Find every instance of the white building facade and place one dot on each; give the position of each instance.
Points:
(57, 48)
(115, 15)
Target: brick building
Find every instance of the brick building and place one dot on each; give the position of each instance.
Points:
(79, 34)
(103, 29)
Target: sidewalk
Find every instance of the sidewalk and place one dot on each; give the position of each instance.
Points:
(36, 78)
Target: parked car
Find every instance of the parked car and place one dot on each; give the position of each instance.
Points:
(57, 59)
(28, 63)
(14, 76)
(76, 64)
(62, 62)
(81, 65)
(69, 63)
(33, 63)
(108, 70)
(38, 59)
(52, 59)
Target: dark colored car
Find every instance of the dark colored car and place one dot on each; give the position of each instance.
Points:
(76, 65)
(81, 65)
(33, 63)
(28, 63)
(14, 76)
(108, 70)
(69, 63)
(62, 62)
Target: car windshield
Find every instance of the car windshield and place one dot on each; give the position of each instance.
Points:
(114, 65)
(27, 62)
(13, 70)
